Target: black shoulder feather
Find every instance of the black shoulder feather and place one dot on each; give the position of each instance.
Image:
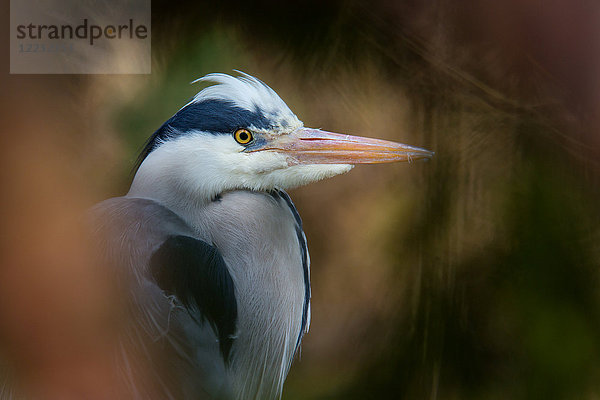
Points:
(195, 272)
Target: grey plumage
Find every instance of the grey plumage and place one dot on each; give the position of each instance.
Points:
(162, 340)
(270, 290)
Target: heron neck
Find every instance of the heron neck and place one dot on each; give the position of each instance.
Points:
(257, 237)
(256, 234)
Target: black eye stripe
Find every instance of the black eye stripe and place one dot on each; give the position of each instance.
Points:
(217, 117)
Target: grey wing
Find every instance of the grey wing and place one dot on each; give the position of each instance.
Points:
(180, 304)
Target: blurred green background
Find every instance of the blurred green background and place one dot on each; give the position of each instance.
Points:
(472, 276)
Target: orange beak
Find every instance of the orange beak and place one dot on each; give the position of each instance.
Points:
(314, 146)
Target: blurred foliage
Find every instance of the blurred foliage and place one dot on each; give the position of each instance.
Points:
(520, 317)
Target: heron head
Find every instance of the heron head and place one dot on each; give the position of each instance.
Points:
(239, 134)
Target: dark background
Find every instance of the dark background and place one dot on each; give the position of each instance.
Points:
(472, 276)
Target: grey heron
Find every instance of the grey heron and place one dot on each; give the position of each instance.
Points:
(210, 247)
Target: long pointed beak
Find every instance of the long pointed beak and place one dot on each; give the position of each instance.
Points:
(314, 146)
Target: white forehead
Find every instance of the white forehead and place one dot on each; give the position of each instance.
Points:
(249, 93)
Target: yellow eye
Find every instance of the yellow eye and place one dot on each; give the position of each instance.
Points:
(243, 136)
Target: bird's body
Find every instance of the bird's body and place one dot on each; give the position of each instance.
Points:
(210, 249)
(271, 293)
